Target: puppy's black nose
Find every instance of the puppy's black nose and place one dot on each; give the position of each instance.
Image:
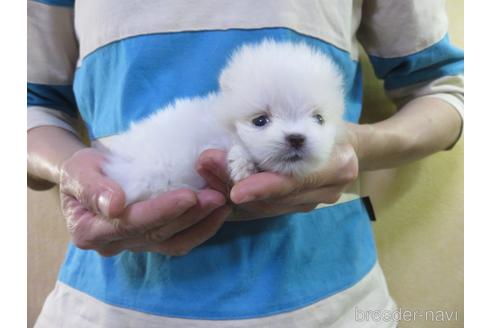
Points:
(296, 140)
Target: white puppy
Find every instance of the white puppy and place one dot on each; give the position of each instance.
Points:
(279, 109)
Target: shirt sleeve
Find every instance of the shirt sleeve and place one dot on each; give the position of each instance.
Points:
(51, 61)
(409, 48)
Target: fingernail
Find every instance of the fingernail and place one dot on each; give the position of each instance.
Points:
(104, 201)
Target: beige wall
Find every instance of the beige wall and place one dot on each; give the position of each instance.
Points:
(419, 231)
(47, 238)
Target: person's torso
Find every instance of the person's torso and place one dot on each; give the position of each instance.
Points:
(136, 57)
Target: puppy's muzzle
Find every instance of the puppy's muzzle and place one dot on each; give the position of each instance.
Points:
(296, 141)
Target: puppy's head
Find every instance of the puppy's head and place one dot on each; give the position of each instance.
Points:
(284, 102)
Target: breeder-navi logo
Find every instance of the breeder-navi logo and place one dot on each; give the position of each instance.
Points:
(404, 315)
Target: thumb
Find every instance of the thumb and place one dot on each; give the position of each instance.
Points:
(214, 160)
(94, 191)
(211, 165)
(106, 197)
(261, 186)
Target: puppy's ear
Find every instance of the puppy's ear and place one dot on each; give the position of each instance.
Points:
(225, 79)
(237, 65)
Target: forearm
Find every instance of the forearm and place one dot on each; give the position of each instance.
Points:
(420, 128)
(47, 148)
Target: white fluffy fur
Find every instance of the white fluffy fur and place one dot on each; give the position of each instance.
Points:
(287, 82)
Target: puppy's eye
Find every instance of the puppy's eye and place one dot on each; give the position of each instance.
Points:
(319, 119)
(261, 120)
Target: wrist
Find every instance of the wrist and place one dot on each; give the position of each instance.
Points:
(358, 137)
(48, 147)
(374, 145)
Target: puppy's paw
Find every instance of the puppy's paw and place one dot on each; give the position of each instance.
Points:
(240, 169)
(239, 164)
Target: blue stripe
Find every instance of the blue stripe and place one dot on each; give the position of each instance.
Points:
(249, 269)
(438, 60)
(129, 79)
(61, 3)
(59, 97)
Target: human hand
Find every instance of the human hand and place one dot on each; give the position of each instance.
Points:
(269, 194)
(94, 206)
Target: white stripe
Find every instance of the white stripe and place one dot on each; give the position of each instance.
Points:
(52, 48)
(392, 28)
(448, 88)
(42, 116)
(455, 100)
(67, 307)
(101, 22)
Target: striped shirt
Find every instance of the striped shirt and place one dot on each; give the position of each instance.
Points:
(113, 62)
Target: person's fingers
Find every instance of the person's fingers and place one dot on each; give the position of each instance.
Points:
(268, 185)
(262, 186)
(102, 195)
(214, 161)
(88, 230)
(208, 201)
(341, 170)
(183, 242)
(175, 243)
(326, 195)
(145, 215)
(83, 179)
(328, 177)
(212, 180)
